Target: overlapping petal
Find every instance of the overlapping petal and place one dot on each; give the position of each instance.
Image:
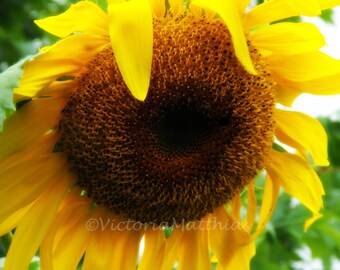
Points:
(303, 133)
(230, 242)
(131, 33)
(303, 67)
(158, 8)
(67, 57)
(27, 238)
(194, 249)
(229, 13)
(275, 10)
(154, 251)
(298, 179)
(269, 200)
(288, 38)
(84, 16)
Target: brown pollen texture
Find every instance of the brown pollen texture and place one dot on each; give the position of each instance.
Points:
(201, 135)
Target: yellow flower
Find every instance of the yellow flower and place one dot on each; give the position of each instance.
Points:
(146, 117)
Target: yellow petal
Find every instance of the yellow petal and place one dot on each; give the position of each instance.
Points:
(154, 250)
(242, 5)
(269, 200)
(172, 248)
(297, 178)
(329, 85)
(27, 237)
(131, 35)
(125, 253)
(12, 221)
(303, 133)
(303, 67)
(68, 57)
(286, 95)
(100, 246)
(197, 11)
(71, 210)
(326, 4)
(158, 8)
(229, 12)
(21, 180)
(84, 16)
(288, 38)
(236, 203)
(275, 10)
(194, 249)
(229, 242)
(311, 220)
(29, 123)
(176, 5)
(251, 207)
(71, 247)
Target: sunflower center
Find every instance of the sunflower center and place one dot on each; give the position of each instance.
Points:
(202, 133)
(183, 128)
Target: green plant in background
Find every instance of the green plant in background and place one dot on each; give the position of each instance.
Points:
(277, 248)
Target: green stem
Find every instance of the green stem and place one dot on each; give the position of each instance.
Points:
(6, 241)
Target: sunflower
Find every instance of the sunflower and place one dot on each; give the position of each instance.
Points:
(149, 122)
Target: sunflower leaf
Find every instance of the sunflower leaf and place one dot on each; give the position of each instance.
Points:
(9, 79)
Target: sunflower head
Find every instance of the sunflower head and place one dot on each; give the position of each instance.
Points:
(198, 138)
(162, 113)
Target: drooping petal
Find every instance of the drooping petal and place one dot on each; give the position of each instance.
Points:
(71, 210)
(229, 241)
(303, 133)
(269, 200)
(158, 8)
(72, 245)
(84, 16)
(288, 38)
(251, 205)
(328, 85)
(303, 67)
(29, 123)
(67, 57)
(101, 244)
(286, 95)
(12, 221)
(131, 33)
(236, 203)
(19, 186)
(298, 179)
(125, 253)
(154, 250)
(275, 10)
(229, 12)
(27, 237)
(171, 248)
(194, 249)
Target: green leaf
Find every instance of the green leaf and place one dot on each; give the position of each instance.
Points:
(9, 79)
(327, 16)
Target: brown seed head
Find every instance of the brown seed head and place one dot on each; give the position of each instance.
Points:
(202, 133)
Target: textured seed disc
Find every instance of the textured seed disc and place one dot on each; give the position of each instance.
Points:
(202, 133)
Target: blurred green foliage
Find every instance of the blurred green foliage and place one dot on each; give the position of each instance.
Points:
(278, 247)
(19, 36)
